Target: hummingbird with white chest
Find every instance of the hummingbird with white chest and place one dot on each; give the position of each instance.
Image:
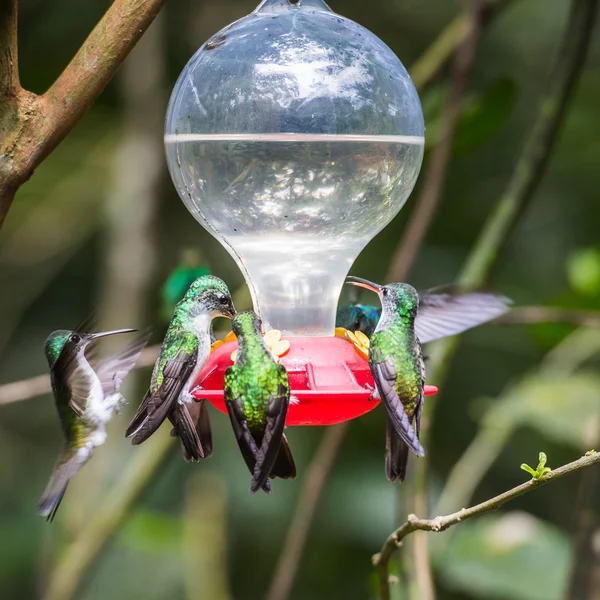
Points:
(182, 357)
(86, 398)
(409, 319)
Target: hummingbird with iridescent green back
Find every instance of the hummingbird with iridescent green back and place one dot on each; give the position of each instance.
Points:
(257, 396)
(409, 319)
(86, 398)
(182, 357)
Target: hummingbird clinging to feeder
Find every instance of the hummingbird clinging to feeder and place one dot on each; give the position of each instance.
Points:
(86, 397)
(183, 354)
(409, 319)
(257, 396)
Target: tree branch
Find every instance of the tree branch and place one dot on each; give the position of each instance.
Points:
(413, 523)
(9, 66)
(426, 205)
(35, 125)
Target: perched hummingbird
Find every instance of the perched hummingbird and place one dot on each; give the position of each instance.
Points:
(86, 397)
(183, 354)
(257, 395)
(409, 319)
(358, 317)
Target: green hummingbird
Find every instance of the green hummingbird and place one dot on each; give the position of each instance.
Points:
(409, 319)
(257, 396)
(86, 397)
(358, 317)
(182, 356)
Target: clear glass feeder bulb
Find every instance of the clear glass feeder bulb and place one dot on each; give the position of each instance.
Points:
(294, 136)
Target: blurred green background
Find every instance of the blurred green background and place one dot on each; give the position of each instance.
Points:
(100, 226)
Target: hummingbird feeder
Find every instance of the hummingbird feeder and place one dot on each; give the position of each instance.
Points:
(294, 135)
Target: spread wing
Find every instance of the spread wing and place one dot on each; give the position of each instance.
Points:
(74, 380)
(157, 404)
(113, 370)
(384, 373)
(270, 446)
(444, 314)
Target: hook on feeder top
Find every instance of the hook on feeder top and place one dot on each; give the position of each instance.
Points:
(294, 135)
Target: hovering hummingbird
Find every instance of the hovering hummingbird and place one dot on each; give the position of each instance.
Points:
(358, 317)
(257, 395)
(183, 354)
(409, 319)
(86, 397)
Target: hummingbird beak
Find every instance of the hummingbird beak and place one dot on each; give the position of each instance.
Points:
(364, 283)
(101, 334)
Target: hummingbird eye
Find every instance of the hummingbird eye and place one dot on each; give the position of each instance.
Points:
(222, 298)
(385, 291)
(75, 338)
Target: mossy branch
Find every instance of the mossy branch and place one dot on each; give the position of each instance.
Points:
(32, 126)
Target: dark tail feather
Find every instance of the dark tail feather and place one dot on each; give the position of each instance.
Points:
(245, 441)
(396, 455)
(284, 466)
(199, 414)
(152, 421)
(65, 469)
(185, 428)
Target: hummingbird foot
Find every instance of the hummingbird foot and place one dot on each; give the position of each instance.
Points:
(374, 392)
(294, 400)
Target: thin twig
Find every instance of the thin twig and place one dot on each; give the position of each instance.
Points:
(40, 123)
(426, 205)
(299, 529)
(84, 550)
(413, 523)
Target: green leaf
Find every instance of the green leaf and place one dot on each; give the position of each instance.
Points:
(514, 556)
(541, 470)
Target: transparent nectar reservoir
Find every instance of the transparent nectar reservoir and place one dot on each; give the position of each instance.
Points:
(294, 136)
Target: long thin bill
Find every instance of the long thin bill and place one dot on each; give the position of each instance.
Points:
(95, 336)
(364, 283)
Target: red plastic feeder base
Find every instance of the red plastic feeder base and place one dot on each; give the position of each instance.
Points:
(328, 378)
